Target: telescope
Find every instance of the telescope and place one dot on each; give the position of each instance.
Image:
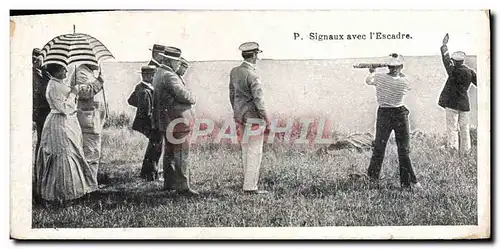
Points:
(369, 65)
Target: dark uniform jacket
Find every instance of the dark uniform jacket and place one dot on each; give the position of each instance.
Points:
(143, 98)
(172, 99)
(455, 92)
(245, 93)
(41, 107)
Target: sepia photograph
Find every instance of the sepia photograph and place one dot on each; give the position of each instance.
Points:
(250, 124)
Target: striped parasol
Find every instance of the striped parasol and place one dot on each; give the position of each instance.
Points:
(76, 48)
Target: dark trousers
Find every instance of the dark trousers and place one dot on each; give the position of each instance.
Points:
(152, 156)
(175, 162)
(389, 119)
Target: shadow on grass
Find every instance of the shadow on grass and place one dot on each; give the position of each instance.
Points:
(142, 194)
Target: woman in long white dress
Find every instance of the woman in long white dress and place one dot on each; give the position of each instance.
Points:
(62, 172)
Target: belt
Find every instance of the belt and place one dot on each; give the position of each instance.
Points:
(54, 111)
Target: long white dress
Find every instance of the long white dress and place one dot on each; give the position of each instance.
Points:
(62, 172)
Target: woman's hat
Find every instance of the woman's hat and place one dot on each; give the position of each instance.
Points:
(458, 56)
(171, 53)
(395, 59)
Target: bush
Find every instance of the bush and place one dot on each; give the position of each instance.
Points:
(118, 120)
(473, 136)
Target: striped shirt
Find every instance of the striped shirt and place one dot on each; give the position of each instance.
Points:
(390, 90)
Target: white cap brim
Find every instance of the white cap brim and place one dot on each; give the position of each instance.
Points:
(170, 57)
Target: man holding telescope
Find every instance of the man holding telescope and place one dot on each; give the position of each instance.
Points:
(392, 114)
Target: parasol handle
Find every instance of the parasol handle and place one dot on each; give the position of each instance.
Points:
(104, 96)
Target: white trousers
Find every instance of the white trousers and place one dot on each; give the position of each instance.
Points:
(457, 130)
(252, 157)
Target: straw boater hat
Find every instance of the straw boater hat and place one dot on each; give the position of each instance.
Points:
(171, 53)
(157, 47)
(395, 60)
(458, 56)
(250, 47)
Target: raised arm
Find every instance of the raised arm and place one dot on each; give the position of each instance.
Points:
(89, 85)
(445, 55)
(65, 104)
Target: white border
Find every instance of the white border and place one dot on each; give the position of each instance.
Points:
(426, 232)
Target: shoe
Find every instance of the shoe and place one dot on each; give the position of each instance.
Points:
(373, 183)
(151, 177)
(413, 186)
(256, 192)
(417, 186)
(189, 192)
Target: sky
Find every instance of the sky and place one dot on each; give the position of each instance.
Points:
(216, 35)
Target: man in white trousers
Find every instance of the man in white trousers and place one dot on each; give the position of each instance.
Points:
(247, 101)
(455, 98)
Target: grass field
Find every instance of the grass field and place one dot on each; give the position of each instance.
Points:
(308, 189)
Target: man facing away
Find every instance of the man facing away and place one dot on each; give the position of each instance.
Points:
(41, 107)
(183, 68)
(142, 98)
(91, 112)
(247, 101)
(173, 102)
(454, 98)
(155, 55)
(391, 88)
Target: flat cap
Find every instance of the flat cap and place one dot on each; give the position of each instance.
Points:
(184, 62)
(458, 56)
(36, 52)
(395, 59)
(148, 69)
(250, 47)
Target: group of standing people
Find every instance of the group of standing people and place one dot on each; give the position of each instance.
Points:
(160, 97)
(69, 118)
(163, 97)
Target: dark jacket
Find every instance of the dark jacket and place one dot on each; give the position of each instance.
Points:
(245, 93)
(172, 99)
(455, 92)
(143, 96)
(41, 107)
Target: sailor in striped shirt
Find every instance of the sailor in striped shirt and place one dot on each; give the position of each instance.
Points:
(392, 115)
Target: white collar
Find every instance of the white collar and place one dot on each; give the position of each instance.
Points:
(148, 85)
(155, 61)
